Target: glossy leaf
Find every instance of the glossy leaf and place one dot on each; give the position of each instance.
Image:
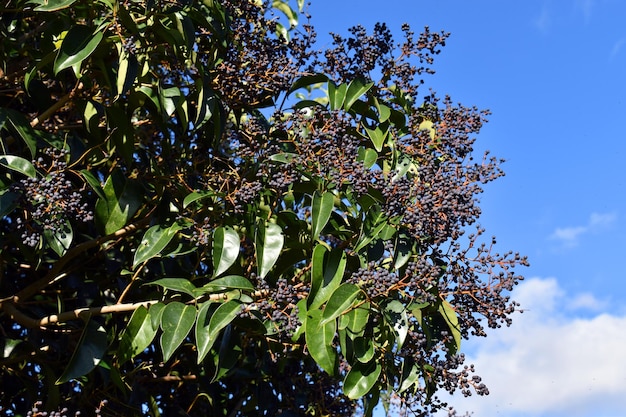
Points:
(177, 319)
(137, 336)
(195, 196)
(18, 164)
(451, 318)
(364, 349)
(410, 374)
(51, 5)
(319, 341)
(93, 183)
(340, 301)
(375, 221)
(154, 241)
(321, 207)
(307, 81)
(330, 278)
(336, 95)
(377, 136)
(355, 90)
(176, 284)
(355, 320)
(123, 199)
(210, 325)
(78, 44)
(361, 379)
(89, 352)
(60, 239)
(229, 282)
(8, 202)
(397, 319)
(269, 244)
(128, 69)
(225, 249)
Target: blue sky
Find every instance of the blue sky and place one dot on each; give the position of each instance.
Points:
(553, 74)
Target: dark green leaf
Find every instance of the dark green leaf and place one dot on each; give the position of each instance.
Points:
(177, 320)
(321, 207)
(410, 374)
(377, 136)
(60, 239)
(137, 336)
(176, 284)
(78, 44)
(330, 278)
(94, 183)
(210, 325)
(319, 341)
(375, 221)
(449, 315)
(123, 199)
(269, 244)
(396, 317)
(18, 164)
(340, 301)
(355, 90)
(8, 202)
(154, 241)
(51, 5)
(336, 95)
(307, 81)
(355, 320)
(88, 353)
(128, 68)
(229, 282)
(361, 379)
(364, 349)
(195, 196)
(225, 249)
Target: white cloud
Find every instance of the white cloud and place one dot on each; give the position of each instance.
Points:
(570, 236)
(549, 363)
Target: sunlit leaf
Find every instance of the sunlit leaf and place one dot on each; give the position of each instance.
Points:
(211, 321)
(78, 44)
(137, 336)
(340, 301)
(361, 379)
(154, 241)
(18, 164)
(269, 244)
(319, 341)
(225, 249)
(177, 319)
(321, 207)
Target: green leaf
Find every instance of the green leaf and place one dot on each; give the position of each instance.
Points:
(195, 196)
(60, 239)
(396, 317)
(8, 202)
(127, 70)
(321, 207)
(177, 320)
(18, 164)
(375, 221)
(323, 285)
(355, 320)
(451, 318)
(20, 126)
(340, 301)
(137, 336)
(170, 99)
(207, 103)
(361, 379)
(291, 14)
(51, 5)
(410, 374)
(93, 183)
(154, 241)
(176, 284)
(356, 89)
(229, 282)
(123, 199)
(269, 244)
(364, 349)
(336, 95)
(88, 353)
(225, 249)
(78, 44)
(319, 341)
(210, 325)
(307, 81)
(368, 156)
(377, 136)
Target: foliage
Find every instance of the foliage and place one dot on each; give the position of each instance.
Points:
(203, 215)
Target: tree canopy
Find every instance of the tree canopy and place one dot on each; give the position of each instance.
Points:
(201, 214)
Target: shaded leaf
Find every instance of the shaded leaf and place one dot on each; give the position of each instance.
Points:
(361, 379)
(336, 95)
(356, 89)
(88, 353)
(60, 239)
(451, 318)
(78, 44)
(51, 5)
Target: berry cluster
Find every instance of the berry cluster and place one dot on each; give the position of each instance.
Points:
(49, 201)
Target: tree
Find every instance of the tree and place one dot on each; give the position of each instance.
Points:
(201, 214)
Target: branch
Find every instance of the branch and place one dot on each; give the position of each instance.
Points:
(55, 273)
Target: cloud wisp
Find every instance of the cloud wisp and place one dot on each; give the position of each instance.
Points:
(570, 236)
(550, 362)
